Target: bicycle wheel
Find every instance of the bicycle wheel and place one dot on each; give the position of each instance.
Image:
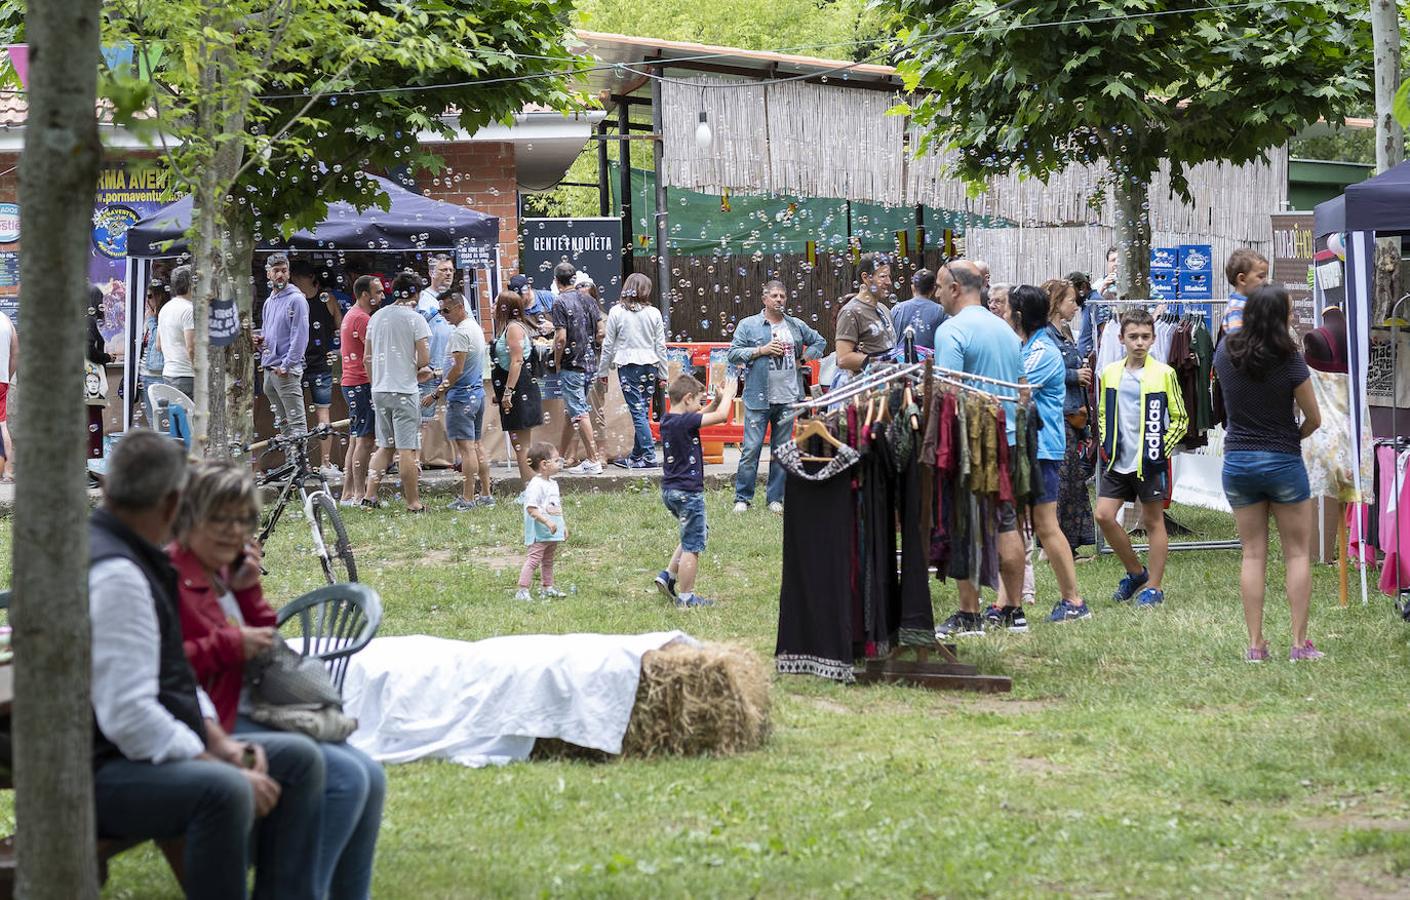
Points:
(338, 564)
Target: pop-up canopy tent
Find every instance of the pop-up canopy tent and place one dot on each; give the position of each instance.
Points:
(1376, 207)
(412, 224)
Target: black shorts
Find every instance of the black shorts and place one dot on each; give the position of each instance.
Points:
(1008, 519)
(1129, 486)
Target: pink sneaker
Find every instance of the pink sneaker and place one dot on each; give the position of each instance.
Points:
(1256, 654)
(1305, 652)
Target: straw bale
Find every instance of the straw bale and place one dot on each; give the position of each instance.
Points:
(711, 700)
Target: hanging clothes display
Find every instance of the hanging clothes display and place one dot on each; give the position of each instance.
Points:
(913, 474)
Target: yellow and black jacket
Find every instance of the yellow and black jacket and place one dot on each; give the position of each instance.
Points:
(1163, 417)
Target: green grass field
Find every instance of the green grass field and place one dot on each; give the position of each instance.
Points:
(1137, 755)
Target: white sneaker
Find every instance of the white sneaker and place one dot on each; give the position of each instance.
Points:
(522, 594)
(330, 472)
(587, 467)
(741, 507)
(776, 507)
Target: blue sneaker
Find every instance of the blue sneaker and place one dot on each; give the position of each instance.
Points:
(666, 585)
(691, 601)
(1150, 597)
(1130, 585)
(1067, 611)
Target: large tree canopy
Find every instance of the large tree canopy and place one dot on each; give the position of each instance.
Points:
(1039, 85)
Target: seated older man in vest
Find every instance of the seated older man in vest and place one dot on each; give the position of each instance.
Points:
(162, 766)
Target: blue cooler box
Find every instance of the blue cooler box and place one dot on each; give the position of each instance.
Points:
(1196, 285)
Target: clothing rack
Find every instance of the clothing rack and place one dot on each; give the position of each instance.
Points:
(859, 386)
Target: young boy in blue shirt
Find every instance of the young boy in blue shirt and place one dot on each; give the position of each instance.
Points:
(683, 481)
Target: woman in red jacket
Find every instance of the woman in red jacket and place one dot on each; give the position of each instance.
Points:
(226, 621)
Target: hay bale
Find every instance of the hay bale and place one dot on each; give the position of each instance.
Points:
(692, 701)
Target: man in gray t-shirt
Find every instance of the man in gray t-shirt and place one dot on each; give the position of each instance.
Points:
(398, 355)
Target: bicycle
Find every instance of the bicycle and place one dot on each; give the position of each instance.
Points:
(321, 510)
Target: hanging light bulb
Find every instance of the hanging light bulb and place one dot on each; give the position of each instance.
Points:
(702, 131)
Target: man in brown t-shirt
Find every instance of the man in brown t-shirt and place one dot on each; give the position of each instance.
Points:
(864, 326)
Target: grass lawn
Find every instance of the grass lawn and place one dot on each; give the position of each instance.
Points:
(1137, 755)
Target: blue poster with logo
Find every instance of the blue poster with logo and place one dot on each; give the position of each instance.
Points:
(127, 192)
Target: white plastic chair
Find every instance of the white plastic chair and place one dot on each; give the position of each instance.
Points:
(173, 397)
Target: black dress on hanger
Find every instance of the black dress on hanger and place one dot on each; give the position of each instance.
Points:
(815, 635)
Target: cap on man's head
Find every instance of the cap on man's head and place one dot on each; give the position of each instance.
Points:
(518, 283)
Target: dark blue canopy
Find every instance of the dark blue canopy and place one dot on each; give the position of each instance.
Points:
(413, 222)
(1380, 204)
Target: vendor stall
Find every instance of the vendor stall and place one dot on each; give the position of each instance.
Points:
(410, 224)
(1377, 207)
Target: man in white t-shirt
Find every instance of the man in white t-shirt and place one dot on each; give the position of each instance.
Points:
(176, 333)
(398, 356)
(440, 273)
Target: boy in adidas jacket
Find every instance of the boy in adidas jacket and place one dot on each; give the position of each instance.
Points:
(1141, 418)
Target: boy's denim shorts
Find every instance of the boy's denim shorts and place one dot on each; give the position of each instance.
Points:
(689, 508)
(1253, 476)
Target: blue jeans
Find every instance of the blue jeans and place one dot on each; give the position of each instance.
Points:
(352, 802)
(638, 387)
(780, 419)
(211, 805)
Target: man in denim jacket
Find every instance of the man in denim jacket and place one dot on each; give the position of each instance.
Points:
(769, 346)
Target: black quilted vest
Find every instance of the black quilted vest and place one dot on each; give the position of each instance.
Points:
(109, 538)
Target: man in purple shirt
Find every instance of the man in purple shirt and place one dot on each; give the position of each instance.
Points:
(284, 342)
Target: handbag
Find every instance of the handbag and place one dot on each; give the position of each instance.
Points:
(294, 693)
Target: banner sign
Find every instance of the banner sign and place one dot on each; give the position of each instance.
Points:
(592, 245)
(224, 323)
(9, 223)
(1294, 249)
(127, 192)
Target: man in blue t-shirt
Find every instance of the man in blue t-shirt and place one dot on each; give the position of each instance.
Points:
(920, 313)
(976, 341)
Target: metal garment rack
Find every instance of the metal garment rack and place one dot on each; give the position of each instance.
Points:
(1101, 544)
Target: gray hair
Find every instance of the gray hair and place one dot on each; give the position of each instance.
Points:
(276, 259)
(145, 468)
(181, 280)
(968, 277)
(215, 484)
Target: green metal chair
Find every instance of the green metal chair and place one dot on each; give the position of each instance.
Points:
(336, 621)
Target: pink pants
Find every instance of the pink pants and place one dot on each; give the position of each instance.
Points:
(540, 557)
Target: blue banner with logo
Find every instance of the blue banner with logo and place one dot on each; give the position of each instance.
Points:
(127, 191)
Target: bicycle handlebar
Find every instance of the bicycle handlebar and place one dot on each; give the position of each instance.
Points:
(280, 440)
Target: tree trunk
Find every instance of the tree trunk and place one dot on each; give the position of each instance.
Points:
(1133, 240)
(1390, 145)
(240, 355)
(53, 714)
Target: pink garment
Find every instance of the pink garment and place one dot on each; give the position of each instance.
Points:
(1394, 518)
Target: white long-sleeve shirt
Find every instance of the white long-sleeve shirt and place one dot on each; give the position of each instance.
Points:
(634, 337)
(126, 657)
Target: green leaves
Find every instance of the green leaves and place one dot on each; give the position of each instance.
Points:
(1143, 79)
(1401, 107)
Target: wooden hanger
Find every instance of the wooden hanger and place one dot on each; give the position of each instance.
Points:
(815, 428)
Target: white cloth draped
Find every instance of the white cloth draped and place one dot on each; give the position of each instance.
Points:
(485, 703)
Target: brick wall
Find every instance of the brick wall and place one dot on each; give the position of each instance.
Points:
(482, 176)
